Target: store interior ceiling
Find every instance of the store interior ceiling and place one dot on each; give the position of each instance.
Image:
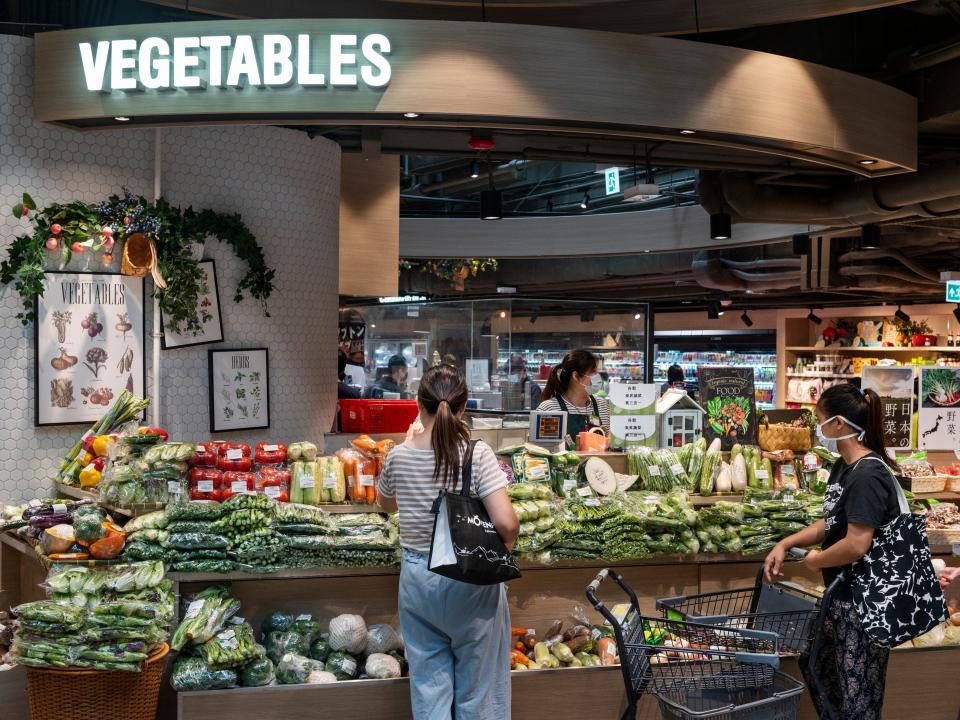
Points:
(889, 238)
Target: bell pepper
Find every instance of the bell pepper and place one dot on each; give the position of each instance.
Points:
(99, 462)
(155, 431)
(90, 476)
(101, 445)
(87, 459)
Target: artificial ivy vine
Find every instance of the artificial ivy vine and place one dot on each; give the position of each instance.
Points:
(78, 227)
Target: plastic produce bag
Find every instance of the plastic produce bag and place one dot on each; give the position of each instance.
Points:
(307, 627)
(380, 666)
(277, 621)
(258, 673)
(295, 669)
(382, 639)
(285, 643)
(348, 633)
(191, 673)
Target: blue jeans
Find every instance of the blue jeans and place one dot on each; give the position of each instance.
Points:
(457, 639)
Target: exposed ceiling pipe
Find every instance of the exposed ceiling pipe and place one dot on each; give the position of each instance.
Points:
(859, 255)
(510, 173)
(791, 263)
(874, 271)
(711, 273)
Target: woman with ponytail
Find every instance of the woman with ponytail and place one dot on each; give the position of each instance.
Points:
(570, 389)
(860, 498)
(457, 635)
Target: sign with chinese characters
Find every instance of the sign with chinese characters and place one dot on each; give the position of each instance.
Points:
(953, 291)
(239, 389)
(633, 413)
(938, 427)
(612, 180)
(728, 396)
(894, 385)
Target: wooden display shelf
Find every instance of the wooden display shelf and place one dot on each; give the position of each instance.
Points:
(80, 494)
(868, 350)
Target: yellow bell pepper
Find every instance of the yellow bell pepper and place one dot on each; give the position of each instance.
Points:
(101, 446)
(90, 476)
(87, 459)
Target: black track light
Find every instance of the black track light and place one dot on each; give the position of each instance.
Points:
(585, 203)
(491, 201)
(814, 318)
(533, 318)
(901, 315)
(720, 226)
(550, 205)
(713, 310)
(801, 244)
(870, 236)
(745, 318)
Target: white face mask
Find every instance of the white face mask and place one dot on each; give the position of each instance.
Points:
(595, 384)
(830, 443)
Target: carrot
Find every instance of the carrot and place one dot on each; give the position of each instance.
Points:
(518, 631)
(520, 647)
(518, 658)
(371, 495)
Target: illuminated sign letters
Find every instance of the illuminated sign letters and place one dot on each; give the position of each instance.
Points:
(268, 60)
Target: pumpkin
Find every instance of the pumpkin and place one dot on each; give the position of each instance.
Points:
(108, 547)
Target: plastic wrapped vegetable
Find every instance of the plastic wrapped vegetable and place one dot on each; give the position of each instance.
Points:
(382, 639)
(151, 521)
(258, 673)
(231, 647)
(307, 627)
(343, 665)
(48, 611)
(320, 649)
(280, 643)
(348, 633)
(205, 617)
(277, 621)
(295, 669)
(192, 673)
(381, 667)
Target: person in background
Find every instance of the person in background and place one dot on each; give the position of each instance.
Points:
(345, 391)
(393, 381)
(457, 635)
(571, 388)
(675, 379)
(518, 373)
(860, 498)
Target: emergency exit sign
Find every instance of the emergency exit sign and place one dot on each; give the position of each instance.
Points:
(953, 291)
(612, 177)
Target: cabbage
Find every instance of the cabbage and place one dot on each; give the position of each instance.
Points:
(381, 667)
(344, 666)
(382, 639)
(348, 633)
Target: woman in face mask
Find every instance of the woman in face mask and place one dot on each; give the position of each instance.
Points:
(860, 498)
(571, 388)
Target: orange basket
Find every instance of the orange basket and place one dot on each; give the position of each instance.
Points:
(94, 694)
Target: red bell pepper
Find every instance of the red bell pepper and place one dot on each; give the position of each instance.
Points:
(155, 431)
(270, 453)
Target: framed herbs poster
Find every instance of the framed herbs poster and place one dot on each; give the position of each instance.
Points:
(210, 327)
(239, 389)
(88, 344)
(727, 395)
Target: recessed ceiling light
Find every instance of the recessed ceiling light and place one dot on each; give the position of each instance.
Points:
(411, 115)
(867, 161)
(688, 132)
(122, 118)
(373, 326)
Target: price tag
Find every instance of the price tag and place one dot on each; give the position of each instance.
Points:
(787, 469)
(677, 469)
(272, 491)
(654, 471)
(271, 448)
(173, 487)
(59, 508)
(239, 486)
(228, 640)
(762, 475)
(193, 609)
(237, 620)
(532, 632)
(201, 448)
(329, 481)
(591, 502)
(788, 498)
(584, 492)
(569, 484)
(307, 482)
(349, 666)
(79, 569)
(304, 616)
(234, 454)
(366, 481)
(205, 486)
(535, 472)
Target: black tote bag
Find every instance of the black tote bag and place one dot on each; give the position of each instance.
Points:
(895, 589)
(465, 544)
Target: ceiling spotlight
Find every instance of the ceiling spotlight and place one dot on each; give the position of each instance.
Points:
(122, 118)
(746, 319)
(713, 310)
(814, 318)
(867, 161)
(588, 315)
(373, 325)
(688, 132)
(503, 313)
(901, 315)
(491, 200)
(585, 203)
(956, 313)
(533, 318)
(720, 226)
(637, 315)
(475, 169)
(411, 115)
(550, 205)
(870, 236)
(801, 244)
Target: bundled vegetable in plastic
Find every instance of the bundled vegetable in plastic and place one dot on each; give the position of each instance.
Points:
(708, 473)
(206, 615)
(348, 633)
(296, 669)
(258, 673)
(283, 642)
(343, 665)
(192, 673)
(320, 649)
(301, 451)
(382, 639)
(277, 621)
(232, 647)
(382, 667)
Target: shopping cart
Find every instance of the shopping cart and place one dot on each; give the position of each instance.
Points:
(717, 669)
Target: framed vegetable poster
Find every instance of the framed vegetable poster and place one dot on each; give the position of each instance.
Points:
(88, 345)
(239, 389)
(727, 394)
(938, 426)
(894, 385)
(210, 329)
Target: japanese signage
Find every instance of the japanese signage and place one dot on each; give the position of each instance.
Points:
(894, 385)
(633, 419)
(938, 427)
(727, 394)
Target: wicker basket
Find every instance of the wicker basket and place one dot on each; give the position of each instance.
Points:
(783, 437)
(95, 694)
(927, 484)
(953, 483)
(943, 537)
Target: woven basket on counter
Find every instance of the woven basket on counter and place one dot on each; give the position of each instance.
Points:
(783, 437)
(94, 694)
(943, 537)
(926, 483)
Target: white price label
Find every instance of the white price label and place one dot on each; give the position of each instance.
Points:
(762, 475)
(367, 480)
(569, 484)
(59, 508)
(193, 609)
(234, 454)
(228, 640)
(654, 471)
(272, 491)
(79, 569)
(205, 486)
(677, 469)
(201, 448)
(271, 448)
(239, 486)
(584, 492)
(237, 620)
(329, 481)
(304, 616)
(788, 498)
(173, 487)
(535, 472)
(787, 469)
(591, 502)
(307, 483)
(532, 632)
(349, 666)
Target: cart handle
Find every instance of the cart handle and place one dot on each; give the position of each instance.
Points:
(594, 586)
(799, 553)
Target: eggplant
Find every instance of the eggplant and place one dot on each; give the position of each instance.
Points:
(48, 508)
(42, 522)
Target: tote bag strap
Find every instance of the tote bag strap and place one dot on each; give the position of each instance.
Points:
(467, 469)
(901, 497)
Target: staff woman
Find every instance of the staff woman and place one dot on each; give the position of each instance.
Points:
(860, 498)
(570, 389)
(457, 635)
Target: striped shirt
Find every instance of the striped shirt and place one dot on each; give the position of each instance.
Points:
(553, 405)
(408, 476)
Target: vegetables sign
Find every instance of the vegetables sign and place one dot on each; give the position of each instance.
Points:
(894, 385)
(938, 427)
(727, 394)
